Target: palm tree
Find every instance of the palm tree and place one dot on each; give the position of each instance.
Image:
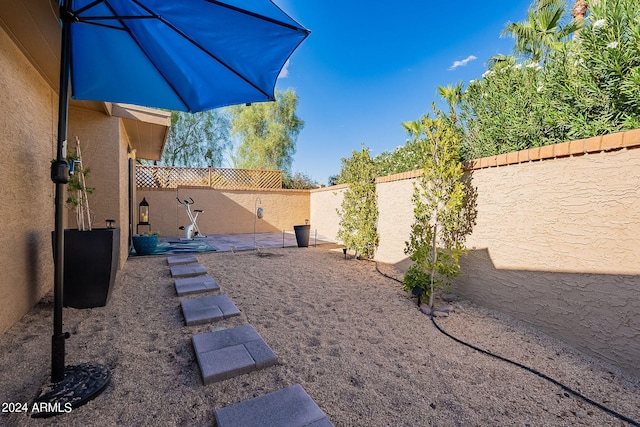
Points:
(542, 31)
(579, 10)
(453, 96)
(500, 59)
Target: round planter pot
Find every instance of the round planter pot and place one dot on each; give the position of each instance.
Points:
(302, 235)
(145, 245)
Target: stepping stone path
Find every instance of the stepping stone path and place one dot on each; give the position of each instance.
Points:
(190, 270)
(194, 285)
(206, 309)
(181, 260)
(226, 353)
(289, 407)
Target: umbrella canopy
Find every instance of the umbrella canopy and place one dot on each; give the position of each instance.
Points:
(188, 55)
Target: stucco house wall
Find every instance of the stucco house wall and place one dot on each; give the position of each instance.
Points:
(28, 121)
(104, 145)
(28, 140)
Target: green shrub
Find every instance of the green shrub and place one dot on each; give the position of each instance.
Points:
(359, 210)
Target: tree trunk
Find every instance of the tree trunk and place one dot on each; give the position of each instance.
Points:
(434, 248)
(579, 10)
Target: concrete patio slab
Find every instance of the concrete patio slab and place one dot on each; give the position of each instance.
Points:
(227, 353)
(192, 285)
(181, 260)
(191, 270)
(289, 407)
(208, 309)
(247, 241)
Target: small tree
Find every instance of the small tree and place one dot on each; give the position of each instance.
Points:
(444, 212)
(197, 139)
(268, 132)
(405, 158)
(543, 30)
(298, 181)
(359, 210)
(77, 190)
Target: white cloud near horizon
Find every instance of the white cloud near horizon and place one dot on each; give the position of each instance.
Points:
(462, 63)
(284, 73)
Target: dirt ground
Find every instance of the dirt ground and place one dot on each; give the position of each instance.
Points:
(351, 337)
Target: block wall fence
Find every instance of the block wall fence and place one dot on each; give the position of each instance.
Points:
(556, 244)
(225, 211)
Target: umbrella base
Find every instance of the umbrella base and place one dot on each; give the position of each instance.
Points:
(80, 384)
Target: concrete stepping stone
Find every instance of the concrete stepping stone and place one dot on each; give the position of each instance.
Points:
(191, 270)
(192, 285)
(227, 353)
(289, 407)
(181, 260)
(207, 309)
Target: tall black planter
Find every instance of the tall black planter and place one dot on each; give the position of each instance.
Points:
(302, 235)
(90, 266)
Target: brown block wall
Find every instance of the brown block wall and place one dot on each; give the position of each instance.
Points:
(225, 211)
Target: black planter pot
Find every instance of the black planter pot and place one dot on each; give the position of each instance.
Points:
(302, 235)
(90, 266)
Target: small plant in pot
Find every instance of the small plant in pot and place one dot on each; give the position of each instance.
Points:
(77, 190)
(91, 255)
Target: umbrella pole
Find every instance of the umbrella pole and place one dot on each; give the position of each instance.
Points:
(71, 386)
(60, 177)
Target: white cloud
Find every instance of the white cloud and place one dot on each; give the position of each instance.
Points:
(462, 63)
(284, 73)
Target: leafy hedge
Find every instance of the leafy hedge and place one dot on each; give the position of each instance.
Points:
(359, 210)
(585, 87)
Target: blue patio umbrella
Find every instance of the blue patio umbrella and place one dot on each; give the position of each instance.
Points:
(188, 55)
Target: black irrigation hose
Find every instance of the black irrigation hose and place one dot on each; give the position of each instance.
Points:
(533, 371)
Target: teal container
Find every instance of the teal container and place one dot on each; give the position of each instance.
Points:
(145, 245)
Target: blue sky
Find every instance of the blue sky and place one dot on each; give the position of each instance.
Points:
(369, 66)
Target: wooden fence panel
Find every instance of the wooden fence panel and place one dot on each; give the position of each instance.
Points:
(171, 177)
